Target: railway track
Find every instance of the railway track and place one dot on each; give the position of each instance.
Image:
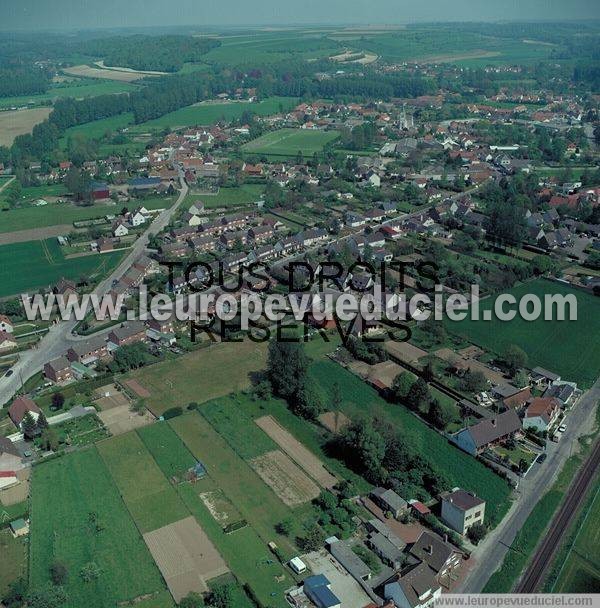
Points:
(542, 559)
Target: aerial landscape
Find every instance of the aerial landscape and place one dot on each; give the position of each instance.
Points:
(299, 304)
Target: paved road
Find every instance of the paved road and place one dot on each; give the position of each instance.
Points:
(56, 342)
(490, 553)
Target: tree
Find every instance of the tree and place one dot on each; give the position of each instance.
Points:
(312, 540)
(440, 414)
(520, 379)
(418, 394)
(363, 447)
(58, 400)
(58, 572)
(285, 526)
(514, 358)
(14, 596)
(15, 193)
(192, 600)
(79, 183)
(29, 426)
(49, 439)
(476, 533)
(221, 596)
(46, 597)
(90, 572)
(474, 381)
(306, 402)
(287, 368)
(402, 385)
(42, 422)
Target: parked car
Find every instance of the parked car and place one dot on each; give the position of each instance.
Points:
(8, 373)
(562, 428)
(541, 457)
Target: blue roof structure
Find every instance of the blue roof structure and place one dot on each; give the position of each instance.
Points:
(317, 589)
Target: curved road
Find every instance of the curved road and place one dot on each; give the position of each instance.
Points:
(56, 342)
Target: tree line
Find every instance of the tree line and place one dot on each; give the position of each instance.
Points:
(23, 80)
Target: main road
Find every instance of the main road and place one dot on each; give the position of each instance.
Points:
(59, 337)
(490, 553)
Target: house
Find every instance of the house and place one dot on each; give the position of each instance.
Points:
(344, 554)
(541, 413)
(8, 478)
(162, 327)
(58, 370)
(64, 288)
(146, 265)
(386, 550)
(417, 588)
(317, 589)
(89, 351)
(19, 527)
(475, 439)
(103, 245)
(203, 243)
(6, 324)
(461, 510)
(144, 183)
(174, 250)
(20, 407)
(313, 236)
(119, 228)
(10, 458)
(7, 341)
(565, 392)
(193, 219)
(389, 501)
(130, 333)
(260, 233)
(439, 555)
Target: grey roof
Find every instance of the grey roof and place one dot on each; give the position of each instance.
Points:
(544, 373)
(59, 363)
(130, 329)
(82, 348)
(355, 566)
(562, 392)
(462, 499)
(380, 527)
(432, 550)
(384, 547)
(491, 429)
(396, 502)
(506, 390)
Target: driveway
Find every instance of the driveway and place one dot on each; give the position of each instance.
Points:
(490, 553)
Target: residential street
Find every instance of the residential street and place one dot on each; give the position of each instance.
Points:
(490, 553)
(56, 342)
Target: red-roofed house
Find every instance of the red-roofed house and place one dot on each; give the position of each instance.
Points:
(7, 341)
(541, 413)
(20, 406)
(6, 324)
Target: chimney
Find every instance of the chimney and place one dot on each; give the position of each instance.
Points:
(493, 421)
(445, 538)
(429, 549)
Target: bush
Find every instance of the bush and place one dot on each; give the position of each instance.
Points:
(173, 412)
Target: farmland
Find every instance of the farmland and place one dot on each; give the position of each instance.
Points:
(124, 75)
(53, 214)
(78, 522)
(45, 265)
(149, 497)
(201, 375)
(576, 359)
(78, 88)
(211, 112)
(288, 142)
(13, 559)
(19, 122)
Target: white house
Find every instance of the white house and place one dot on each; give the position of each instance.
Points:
(136, 218)
(6, 324)
(461, 510)
(418, 588)
(120, 229)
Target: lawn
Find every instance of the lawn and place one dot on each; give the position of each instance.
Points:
(237, 427)
(78, 517)
(461, 469)
(27, 266)
(96, 129)
(201, 375)
(230, 197)
(288, 142)
(568, 348)
(151, 500)
(208, 113)
(170, 454)
(13, 559)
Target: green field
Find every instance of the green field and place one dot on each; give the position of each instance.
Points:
(97, 129)
(55, 214)
(78, 517)
(208, 113)
(238, 429)
(45, 264)
(230, 197)
(77, 89)
(201, 375)
(172, 457)
(288, 142)
(151, 500)
(569, 348)
(461, 469)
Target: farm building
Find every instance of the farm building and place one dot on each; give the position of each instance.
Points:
(317, 588)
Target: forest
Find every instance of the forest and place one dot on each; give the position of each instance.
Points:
(23, 80)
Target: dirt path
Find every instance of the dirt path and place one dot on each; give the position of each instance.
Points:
(5, 185)
(35, 234)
